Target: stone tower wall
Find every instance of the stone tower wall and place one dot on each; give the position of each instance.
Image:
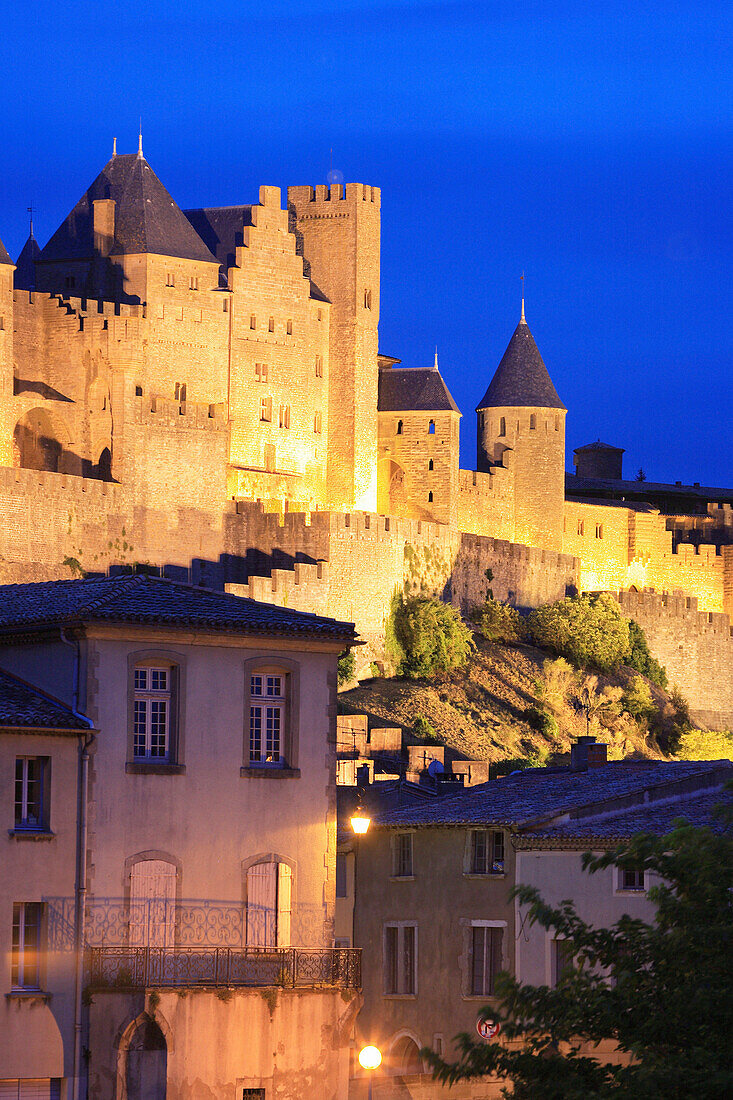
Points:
(406, 484)
(6, 363)
(338, 230)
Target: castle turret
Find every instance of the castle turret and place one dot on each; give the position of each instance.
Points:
(521, 425)
(6, 356)
(338, 231)
(25, 269)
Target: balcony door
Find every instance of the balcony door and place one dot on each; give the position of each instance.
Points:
(152, 904)
(269, 893)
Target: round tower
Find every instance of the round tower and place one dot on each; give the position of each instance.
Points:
(521, 425)
(6, 357)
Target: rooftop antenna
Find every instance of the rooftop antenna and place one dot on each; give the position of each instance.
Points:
(140, 138)
(436, 357)
(522, 317)
(114, 148)
(30, 211)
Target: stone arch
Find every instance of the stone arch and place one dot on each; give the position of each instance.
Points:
(142, 1058)
(404, 1054)
(42, 441)
(391, 491)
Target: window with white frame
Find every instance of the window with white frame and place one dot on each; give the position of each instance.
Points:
(487, 852)
(486, 957)
(25, 964)
(152, 704)
(32, 792)
(402, 866)
(267, 718)
(269, 904)
(400, 959)
(631, 879)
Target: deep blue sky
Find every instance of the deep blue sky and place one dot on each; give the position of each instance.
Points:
(589, 144)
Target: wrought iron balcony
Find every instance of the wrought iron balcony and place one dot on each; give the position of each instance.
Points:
(134, 968)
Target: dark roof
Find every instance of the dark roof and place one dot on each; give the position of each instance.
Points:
(23, 706)
(598, 446)
(4, 257)
(221, 228)
(638, 490)
(650, 817)
(538, 793)
(521, 378)
(25, 269)
(414, 389)
(143, 599)
(147, 220)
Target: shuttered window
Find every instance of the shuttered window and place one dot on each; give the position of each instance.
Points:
(31, 1089)
(485, 959)
(269, 904)
(152, 904)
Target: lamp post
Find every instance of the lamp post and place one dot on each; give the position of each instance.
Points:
(370, 1058)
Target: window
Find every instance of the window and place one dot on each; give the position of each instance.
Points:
(430, 498)
(266, 718)
(402, 855)
(261, 372)
(138, 391)
(285, 416)
(271, 325)
(557, 423)
(319, 366)
(252, 321)
(631, 878)
(486, 948)
(170, 279)
(25, 963)
(341, 875)
(487, 852)
(431, 428)
(431, 465)
(399, 427)
(289, 328)
(31, 792)
(152, 714)
(400, 959)
(562, 959)
(317, 423)
(532, 422)
(599, 530)
(502, 426)
(266, 408)
(581, 527)
(152, 921)
(269, 904)
(367, 299)
(70, 282)
(253, 1094)
(193, 283)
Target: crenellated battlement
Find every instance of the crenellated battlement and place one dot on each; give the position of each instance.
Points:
(324, 200)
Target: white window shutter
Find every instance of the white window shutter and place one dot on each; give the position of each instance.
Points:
(284, 903)
(262, 905)
(152, 904)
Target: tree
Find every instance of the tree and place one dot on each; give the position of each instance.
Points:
(431, 637)
(588, 630)
(661, 991)
(346, 667)
(641, 659)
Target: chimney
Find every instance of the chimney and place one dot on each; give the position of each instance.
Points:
(587, 753)
(104, 226)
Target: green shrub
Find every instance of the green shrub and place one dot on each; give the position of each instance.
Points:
(588, 630)
(637, 699)
(640, 658)
(543, 722)
(559, 681)
(498, 622)
(423, 729)
(705, 745)
(346, 667)
(430, 635)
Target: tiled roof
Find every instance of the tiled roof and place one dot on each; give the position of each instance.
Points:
(4, 257)
(580, 485)
(414, 389)
(221, 228)
(24, 707)
(650, 817)
(153, 600)
(544, 792)
(521, 378)
(25, 269)
(147, 220)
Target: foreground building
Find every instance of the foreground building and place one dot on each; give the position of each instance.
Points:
(433, 910)
(175, 757)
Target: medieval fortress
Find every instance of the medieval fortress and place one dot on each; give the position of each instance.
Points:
(202, 391)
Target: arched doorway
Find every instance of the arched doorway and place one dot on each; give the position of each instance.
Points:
(146, 1070)
(391, 492)
(405, 1057)
(41, 442)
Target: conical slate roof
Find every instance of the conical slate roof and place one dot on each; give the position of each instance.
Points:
(147, 220)
(521, 378)
(25, 269)
(4, 257)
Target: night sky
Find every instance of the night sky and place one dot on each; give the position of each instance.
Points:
(590, 145)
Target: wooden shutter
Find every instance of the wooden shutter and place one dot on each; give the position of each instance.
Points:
(284, 903)
(496, 959)
(30, 1089)
(152, 904)
(262, 883)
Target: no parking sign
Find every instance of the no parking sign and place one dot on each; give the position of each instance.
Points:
(487, 1028)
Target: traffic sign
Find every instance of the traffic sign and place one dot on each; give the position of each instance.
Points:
(487, 1028)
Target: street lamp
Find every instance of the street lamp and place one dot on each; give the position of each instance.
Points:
(370, 1058)
(360, 822)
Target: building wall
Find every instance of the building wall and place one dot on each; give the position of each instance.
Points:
(407, 486)
(6, 361)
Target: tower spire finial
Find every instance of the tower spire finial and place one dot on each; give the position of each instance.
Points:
(114, 147)
(522, 278)
(140, 138)
(436, 357)
(30, 212)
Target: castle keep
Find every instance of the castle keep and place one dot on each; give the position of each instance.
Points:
(202, 391)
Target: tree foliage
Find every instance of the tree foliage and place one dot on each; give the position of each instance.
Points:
(661, 991)
(498, 622)
(346, 667)
(640, 659)
(588, 630)
(431, 636)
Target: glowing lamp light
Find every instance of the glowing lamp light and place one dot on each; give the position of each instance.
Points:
(370, 1058)
(360, 824)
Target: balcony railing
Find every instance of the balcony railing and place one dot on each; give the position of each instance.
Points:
(127, 968)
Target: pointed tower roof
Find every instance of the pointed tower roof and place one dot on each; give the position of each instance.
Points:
(4, 257)
(25, 269)
(147, 220)
(521, 378)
